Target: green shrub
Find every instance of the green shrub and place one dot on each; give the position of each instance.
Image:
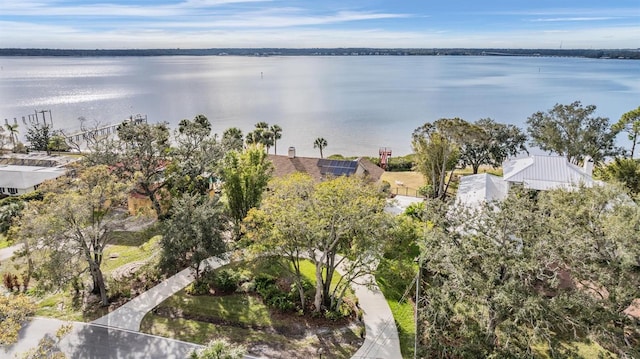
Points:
(226, 280)
(281, 302)
(199, 287)
(333, 315)
(264, 280)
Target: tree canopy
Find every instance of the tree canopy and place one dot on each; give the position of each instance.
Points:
(338, 223)
(572, 131)
(144, 154)
(630, 123)
(487, 142)
(70, 228)
(437, 149)
(245, 176)
(194, 158)
(193, 233)
(535, 272)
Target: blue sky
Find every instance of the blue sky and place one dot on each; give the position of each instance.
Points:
(330, 23)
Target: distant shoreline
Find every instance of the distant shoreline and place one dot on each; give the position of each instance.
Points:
(630, 54)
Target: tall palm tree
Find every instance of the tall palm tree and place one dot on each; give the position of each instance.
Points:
(277, 134)
(13, 133)
(320, 143)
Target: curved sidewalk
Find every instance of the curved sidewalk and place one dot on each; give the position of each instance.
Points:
(381, 339)
(129, 316)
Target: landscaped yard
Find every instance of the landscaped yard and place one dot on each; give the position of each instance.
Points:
(245, 318)
(128, 251)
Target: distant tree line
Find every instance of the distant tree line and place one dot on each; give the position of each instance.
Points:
(589, 53)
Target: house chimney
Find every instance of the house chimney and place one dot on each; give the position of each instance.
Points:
(292, 152)
(588, 165)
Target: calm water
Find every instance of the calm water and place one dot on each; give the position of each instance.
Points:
(357, 104)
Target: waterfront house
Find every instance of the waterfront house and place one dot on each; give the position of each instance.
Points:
(322, 168)
(540, 173)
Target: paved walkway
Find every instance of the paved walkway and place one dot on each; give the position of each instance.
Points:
(6, 253)
(129, 316)
(381, 339)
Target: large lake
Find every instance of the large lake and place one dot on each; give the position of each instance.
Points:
(357, 104)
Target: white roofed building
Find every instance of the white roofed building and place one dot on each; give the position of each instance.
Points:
(20, 174)
(547, 172)
(541, 173)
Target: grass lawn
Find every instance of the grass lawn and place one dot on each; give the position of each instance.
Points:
(124, 252)
(4, 243)
(129, 246)
(394, 277)
(411, 182)
(244, 318)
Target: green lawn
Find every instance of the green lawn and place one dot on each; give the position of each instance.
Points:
(4, 243)
(127, 251)
(235, 308)
(245, 319)
(394, 277)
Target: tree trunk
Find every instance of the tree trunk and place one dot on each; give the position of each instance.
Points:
(327, 280)
(98, 282)
(318, 300)
(156, 204)
(295, 261)
(492, 339)
(633, 145)
(476, 167)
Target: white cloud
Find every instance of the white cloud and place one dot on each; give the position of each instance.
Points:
(569, 19)
(22, 35)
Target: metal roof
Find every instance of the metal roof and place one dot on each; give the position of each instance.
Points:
(545, 172)
(23, 177)
(475, 189)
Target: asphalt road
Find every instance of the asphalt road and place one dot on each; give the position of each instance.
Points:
(94, 341)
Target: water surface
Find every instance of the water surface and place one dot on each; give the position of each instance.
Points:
(357, 104)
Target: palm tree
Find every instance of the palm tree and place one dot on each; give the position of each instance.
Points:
(13, 133)
(232, 139)
(277, 134)
(320, 143)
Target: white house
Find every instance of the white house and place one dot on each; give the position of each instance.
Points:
(20, 174)
(536, 172)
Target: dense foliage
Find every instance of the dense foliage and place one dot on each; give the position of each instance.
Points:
(245, 177)
(572, 131)
(547, 268)
(192, 233)
(336, 223)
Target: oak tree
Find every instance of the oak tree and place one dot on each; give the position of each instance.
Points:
(69, 231)
(193, 232)
(574, 132)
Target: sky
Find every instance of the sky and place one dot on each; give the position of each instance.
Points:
(123, 24)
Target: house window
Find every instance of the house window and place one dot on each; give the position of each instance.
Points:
(1, 189)
(13, 190)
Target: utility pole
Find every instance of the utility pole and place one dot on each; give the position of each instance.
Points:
(418, 280)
